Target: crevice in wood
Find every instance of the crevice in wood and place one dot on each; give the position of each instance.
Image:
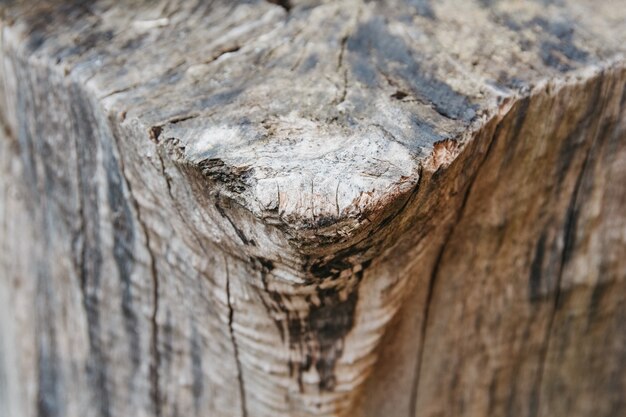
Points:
(222, 52)
(155, 133)
(237, 230)
(420, 356)
(344, 91)
(179, 119)
(119, 91)
(285, 4)
(399, 95)
(176, 203)
(231, 314)
(154, 348)
(168, 180)
(340, 63)
(156, 130)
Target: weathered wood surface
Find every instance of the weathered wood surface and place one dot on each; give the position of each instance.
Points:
(308, 208)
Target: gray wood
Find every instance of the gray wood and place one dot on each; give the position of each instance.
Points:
(309, 208)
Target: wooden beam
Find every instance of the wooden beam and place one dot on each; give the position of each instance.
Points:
(308, 208)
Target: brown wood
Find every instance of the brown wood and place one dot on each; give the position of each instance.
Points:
(307, 208)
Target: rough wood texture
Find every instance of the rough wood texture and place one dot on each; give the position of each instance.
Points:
(307, 208)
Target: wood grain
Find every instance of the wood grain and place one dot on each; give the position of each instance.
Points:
(312, 208)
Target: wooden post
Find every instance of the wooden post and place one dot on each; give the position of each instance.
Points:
(304, 208)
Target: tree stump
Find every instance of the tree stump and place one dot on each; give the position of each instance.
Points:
(312, 208)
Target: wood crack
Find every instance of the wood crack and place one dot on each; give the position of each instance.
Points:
(231, 314)
(340, 63)
(176, 204)
(154, 369)
(222, 52)
(240, 234)
(285, 4)
(119, 91)
(344, 91)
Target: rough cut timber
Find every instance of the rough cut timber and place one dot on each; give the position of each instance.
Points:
(312, 208)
